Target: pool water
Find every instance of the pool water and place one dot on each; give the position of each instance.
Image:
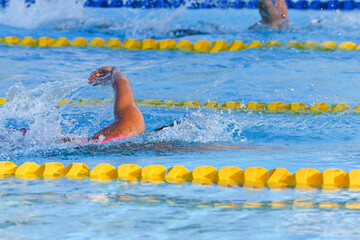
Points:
(34, 80)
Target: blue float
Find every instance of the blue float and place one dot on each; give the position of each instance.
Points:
(252, 4)
(348, 5)
(222, 4)
(237, 4)
(316, 5)
(205, 4)
(178, 3)
(302, 4)
(116, 3)
(333, 5)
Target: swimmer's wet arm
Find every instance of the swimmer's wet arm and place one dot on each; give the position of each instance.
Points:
(281, 5)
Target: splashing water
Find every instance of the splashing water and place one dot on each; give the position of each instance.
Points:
(33, 109)
(19, 14)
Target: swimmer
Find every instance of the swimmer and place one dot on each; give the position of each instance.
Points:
(128, 117)
(274, 14)
(129, 120)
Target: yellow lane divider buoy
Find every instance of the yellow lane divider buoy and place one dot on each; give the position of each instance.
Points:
(201, 46)
(296, 107)
(231, 175)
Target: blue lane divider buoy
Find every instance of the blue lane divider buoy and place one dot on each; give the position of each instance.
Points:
(345, 5)
(116, 3)
(252, 4)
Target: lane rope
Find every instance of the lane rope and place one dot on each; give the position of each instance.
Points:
(224, 4)
(227, 176)
(300, 107)
(201, 46)
(208, 4)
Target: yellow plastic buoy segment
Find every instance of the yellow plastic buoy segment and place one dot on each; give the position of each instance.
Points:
(218, 46)
(252, 204)
(167, 44)
(72, 101)
(335, 178)
(148, 44)
(130, 172)
(77, 170)
(255, 176)
(322, 107)
(308, 177)
(96, 102)
(103, 171)
(255, 105)
(11, 39)
(83, 100)
(229, 175)
(7, 168)
(255, 44)
(298, 107)
(153, 173)
(280, 177)
(98, 42)
(132, 44)
(152, 102)
(205, 174)
(53, 170)
(352, 205)
(28, 170)
(354, 178)
(27, 41)
(303, 204)
(347, 46)
(114, 43)
(178, 174)
(1, 40)
(307, 45)
(211, 104)
(202, 46)
(171, 103)
(329, 205)
(79, 42)
(273, 44)
(237, 45)
(357, 108)
(340, 107)
(293, 44)
(234, 104)
(278, 204)
(2, 101)
(61, 42)
(44, 42)
(185, 45)
(192, 103)
(329, 45)
(278, 106)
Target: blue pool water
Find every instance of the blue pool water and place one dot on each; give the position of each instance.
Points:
(34, 80)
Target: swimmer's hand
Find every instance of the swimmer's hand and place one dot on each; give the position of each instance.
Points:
(102, 76)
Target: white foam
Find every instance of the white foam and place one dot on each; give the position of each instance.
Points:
(18, 14)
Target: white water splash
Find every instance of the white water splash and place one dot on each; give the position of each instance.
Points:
(202, 128)
(18, 14)
(34, 110)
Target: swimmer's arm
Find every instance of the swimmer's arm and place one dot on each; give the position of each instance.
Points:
(281, 5)
(106, 133)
